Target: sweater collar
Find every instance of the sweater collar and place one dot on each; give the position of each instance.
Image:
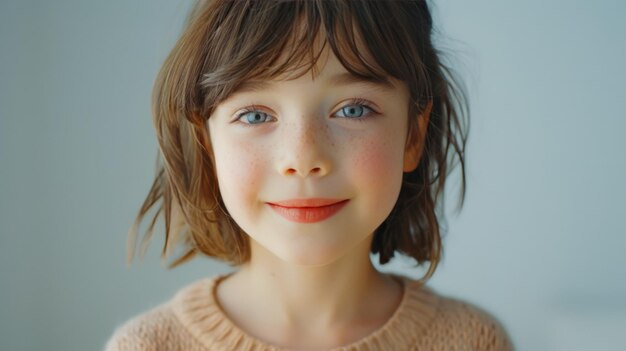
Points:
(197, 309)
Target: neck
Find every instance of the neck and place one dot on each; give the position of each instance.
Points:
(347, 291)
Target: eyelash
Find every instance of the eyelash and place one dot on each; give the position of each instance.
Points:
(354, 102)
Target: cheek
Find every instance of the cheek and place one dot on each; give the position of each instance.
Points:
(239, 169)
(378, 162)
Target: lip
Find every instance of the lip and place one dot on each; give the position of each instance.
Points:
(312, 202)
(307, 210)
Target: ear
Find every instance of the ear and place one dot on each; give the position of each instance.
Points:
(415, 140)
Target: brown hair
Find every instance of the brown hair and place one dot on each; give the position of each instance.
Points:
(225, 43)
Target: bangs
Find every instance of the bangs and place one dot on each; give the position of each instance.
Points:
(266, 40)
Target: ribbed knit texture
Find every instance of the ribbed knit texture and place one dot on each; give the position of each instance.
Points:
(193, 321)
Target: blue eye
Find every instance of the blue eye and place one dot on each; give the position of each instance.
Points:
(353, 111)
(357, 109)
(254, 117)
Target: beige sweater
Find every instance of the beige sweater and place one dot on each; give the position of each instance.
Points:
(193, 321)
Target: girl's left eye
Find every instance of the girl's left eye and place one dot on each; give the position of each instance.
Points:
(356, 110)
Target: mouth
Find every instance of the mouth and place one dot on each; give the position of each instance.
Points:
(307, 210)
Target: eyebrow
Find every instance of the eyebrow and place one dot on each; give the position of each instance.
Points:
(341, 79)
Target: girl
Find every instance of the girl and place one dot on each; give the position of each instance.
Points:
(298, 137)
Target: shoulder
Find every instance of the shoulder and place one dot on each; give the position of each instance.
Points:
(467, 324)
(443, 322)
(144, 331)
(159, 328)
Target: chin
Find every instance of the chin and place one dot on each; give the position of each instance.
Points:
(310, 247)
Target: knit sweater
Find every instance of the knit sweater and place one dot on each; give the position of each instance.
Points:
(193, 320)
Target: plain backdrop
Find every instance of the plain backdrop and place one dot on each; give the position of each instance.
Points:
(540, 242)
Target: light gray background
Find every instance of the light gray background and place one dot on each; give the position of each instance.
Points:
(540, 242)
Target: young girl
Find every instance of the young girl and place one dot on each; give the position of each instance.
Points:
(298, 137)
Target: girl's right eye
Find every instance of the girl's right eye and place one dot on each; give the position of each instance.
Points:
(251, 116)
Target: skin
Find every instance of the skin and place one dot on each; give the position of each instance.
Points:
(312, 285)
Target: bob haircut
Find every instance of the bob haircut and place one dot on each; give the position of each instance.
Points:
(225, 43)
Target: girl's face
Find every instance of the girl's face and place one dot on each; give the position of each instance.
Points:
(332, 137)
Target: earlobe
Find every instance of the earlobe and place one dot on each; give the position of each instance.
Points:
(415, 140)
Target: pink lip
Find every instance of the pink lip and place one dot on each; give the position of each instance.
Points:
(307, 210)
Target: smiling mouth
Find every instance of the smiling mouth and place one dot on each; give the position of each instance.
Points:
(307, 210)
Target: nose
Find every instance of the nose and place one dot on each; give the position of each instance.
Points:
(305, 149)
